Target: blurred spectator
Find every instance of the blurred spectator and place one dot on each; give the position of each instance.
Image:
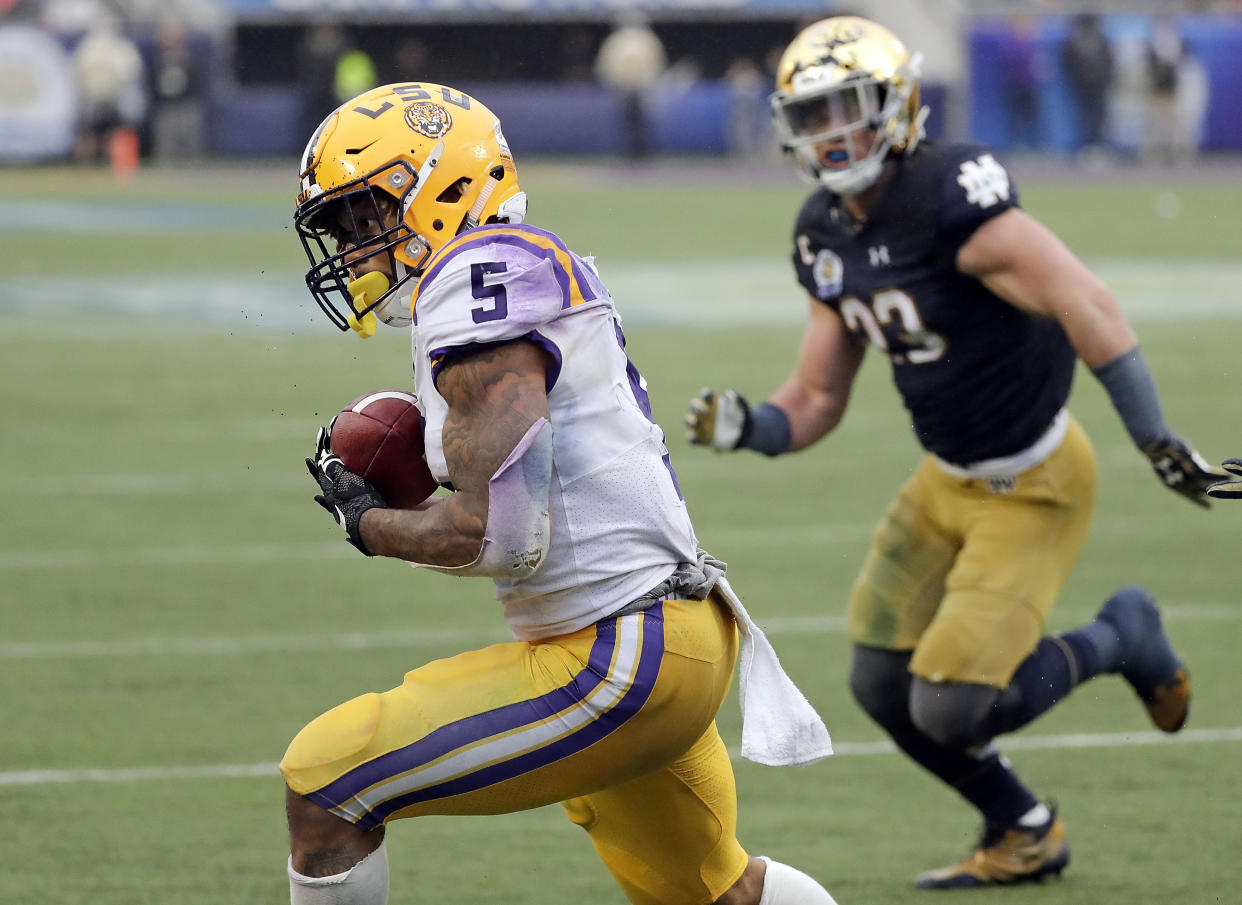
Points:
(631, 60)
(1177, 95)
(577, 54)
(73, 17)
(320, 49)
(1087, 58)
(177, 120)
(1194, 87)
(354, 75)
(110, 77)
(332, 71)
(409, 61)
(1023, 74)
(1128, 103)
(749, 124)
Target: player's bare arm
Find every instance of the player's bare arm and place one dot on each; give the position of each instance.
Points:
(494, 396)
(817, 392)
(806, 407)
(1024, 263)
(1021, 261)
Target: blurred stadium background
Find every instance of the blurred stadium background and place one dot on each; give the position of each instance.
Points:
(173, 607)
(248, 77)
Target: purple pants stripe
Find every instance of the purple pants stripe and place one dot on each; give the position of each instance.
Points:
(467, 731)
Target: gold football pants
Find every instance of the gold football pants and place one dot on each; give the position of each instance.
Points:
(964, 572)
(616, 721)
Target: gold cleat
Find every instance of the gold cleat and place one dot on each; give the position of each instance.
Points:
(1006, 855)
(1169, 703)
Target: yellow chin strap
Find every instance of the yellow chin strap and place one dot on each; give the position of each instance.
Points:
(364, 291)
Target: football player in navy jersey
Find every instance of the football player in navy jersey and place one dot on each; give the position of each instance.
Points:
(920, 249)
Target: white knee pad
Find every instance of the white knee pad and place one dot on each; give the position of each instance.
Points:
(366, 883)
(785, 885)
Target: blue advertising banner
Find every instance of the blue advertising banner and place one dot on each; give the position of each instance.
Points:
(38, 99)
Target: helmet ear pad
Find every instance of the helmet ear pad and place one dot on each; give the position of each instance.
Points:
(462, 202)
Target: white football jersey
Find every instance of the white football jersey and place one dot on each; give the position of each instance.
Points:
(619, 524)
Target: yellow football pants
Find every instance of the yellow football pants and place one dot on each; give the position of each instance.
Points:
(964, 572)
(617, 721)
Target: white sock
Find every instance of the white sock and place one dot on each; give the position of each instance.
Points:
(1036, 816)
(366, 883)
(785, 885)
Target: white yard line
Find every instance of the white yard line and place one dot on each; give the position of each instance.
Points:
(268, 770)
(232, 646)
(722, 293)
(466, 637)
(783, 537)
(181, 555)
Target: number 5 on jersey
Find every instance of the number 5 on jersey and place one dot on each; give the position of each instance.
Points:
(495, 300)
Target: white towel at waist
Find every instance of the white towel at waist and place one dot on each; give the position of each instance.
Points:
(779, 725)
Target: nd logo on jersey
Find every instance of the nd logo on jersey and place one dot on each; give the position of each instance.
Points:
(984, 180)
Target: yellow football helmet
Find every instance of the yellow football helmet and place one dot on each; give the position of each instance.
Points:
(398, 170)
(838, 77)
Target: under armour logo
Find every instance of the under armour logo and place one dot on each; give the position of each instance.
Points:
(878, 255)
(984, 180)
(1170, 470)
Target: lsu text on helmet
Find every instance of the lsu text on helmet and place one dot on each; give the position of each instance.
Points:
(398, 171)
(838, 78)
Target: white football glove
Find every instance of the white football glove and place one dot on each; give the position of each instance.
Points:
(717, 420)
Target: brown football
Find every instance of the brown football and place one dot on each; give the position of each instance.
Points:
(380, 436)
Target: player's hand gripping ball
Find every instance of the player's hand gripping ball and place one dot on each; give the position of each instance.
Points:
(379, 436)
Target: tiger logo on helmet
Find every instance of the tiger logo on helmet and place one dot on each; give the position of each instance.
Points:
(397, 171)
(427, 119)
(837, 79)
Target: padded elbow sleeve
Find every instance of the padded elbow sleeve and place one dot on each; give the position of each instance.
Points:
(519, 526)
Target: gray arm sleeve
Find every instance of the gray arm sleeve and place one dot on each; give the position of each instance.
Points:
(767, 430)
(1133, 393)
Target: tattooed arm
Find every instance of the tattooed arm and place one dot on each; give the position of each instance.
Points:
(494, 396)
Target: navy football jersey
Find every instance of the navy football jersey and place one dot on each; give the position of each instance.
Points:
(980, 378)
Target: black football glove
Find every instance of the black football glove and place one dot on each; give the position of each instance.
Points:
(1229, 490)
(345, 495)
(1182, 469)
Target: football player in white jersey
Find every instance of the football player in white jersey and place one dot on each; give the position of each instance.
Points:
(563, 494)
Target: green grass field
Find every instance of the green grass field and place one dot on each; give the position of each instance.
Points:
(174, 606)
